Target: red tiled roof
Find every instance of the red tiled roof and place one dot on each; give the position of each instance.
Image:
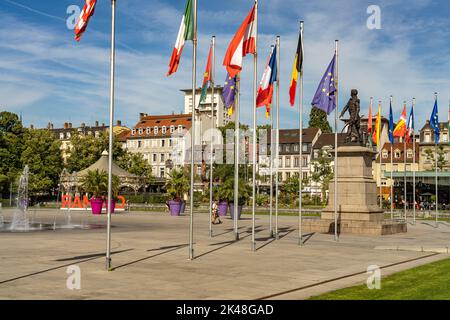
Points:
(400, 147)
(160, 121)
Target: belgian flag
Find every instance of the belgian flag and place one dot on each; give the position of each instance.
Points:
(297, 68)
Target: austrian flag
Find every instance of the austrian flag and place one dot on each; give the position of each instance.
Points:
(186, 32)
(243, 43)
(83, 20)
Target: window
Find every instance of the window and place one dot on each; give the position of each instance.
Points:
(161, 172)
(305, 175)
(154, 157)
(139, 143)
(155, 130)
(61, 136)
(427, 137)
(288, 175)
(140, 131)
(97, 134)
(397, 154)
(172, 129)
(296, 148)
(162, 157)
(296, 162)
(445, 137)
(170, 143)
(288, 162)
(68, 135)
(163, 143)
(133, 132)
(384, 154)
(148, 131)
(280, 162)
(164, 130)
(304, 162)
(288, 148)
(305, 147)
(409, 154)
(180, 129)
(280, 148)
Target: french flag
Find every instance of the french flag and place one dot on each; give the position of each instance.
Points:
(265, 89)
(243, 43)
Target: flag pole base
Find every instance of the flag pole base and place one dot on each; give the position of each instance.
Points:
(236, 236)
(253, 246)
(277, 236)
(108, 264)
(300, 241)
(210, 233)
(191, 254)
(271, 234)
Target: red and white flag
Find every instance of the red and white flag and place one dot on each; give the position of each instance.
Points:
(243, 43)
(83, 19)
(265, 89)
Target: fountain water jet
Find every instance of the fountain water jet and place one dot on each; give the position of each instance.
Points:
(20, 221)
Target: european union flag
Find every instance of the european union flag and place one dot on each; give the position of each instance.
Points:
(325, 97)
(229, 91)
(391, 125)
(434, 122)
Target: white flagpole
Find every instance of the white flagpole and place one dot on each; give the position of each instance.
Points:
(277, 156)
(300, 162)
(392, 169)
(414, 165)
(255, 70)
(380, 151)
(436, 169)
(336, 234)
(404, 168)
(194, 75)
(111, 123)
(236, 157)
(211, 165)
(271, 169)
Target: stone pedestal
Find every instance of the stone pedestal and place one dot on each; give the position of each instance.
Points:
(358, 210)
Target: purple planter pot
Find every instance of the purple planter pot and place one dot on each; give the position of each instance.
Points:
(96, 205)
(232, 211)
(222, 207)
(175, 207)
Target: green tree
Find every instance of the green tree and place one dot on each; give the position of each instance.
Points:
(42, 153)
(318, 119)
(11, 146)
(86, 150)
(136, 164)
(323, 171)
(429, 154)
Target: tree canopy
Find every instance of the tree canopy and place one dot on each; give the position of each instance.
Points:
(318, 119)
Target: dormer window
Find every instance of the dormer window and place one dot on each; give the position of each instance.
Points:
(148, 131)
(133, 132)
(164, 130)
(397, 154)
(68, 135)
(180, 128)
(385, 154)
(172, 129)
(61, 136)
(155, 130)
(140, 131)
(409, 154)
(427, 137)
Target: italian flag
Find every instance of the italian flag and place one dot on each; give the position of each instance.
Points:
(186, 32)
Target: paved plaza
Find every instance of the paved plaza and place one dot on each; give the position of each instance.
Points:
(150, 258)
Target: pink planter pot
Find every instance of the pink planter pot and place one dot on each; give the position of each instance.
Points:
(96, 205)
(222, 207)
(175, 208)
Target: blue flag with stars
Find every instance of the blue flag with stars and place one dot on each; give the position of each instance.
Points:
(325, 97)
(434, 122)
(391, 125)
(229, 91)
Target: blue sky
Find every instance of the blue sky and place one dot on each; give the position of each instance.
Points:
(48, 77)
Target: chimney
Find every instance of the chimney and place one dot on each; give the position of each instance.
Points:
(427, 122)
(119, 123)
(51, 126)
(70, 125)
(96, 123)
(141, 115)
(103, 124)
(83, 125)
(66, 125)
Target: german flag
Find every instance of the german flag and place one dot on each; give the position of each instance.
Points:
(297, 68)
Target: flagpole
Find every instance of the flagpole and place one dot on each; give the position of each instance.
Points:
(236, 157)
(336, 236)
(404, 168)
(271, 169)
(111, 122)
(277, 156)
(436, 167)
(300, 162)
(392, 168)
(194, 75)
(371, 113)
(213, 43)
(255, 70)
(414, 163)
(380, 151)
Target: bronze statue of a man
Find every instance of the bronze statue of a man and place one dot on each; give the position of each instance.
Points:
(354, 123)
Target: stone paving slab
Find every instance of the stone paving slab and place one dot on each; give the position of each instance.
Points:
(150, 257)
